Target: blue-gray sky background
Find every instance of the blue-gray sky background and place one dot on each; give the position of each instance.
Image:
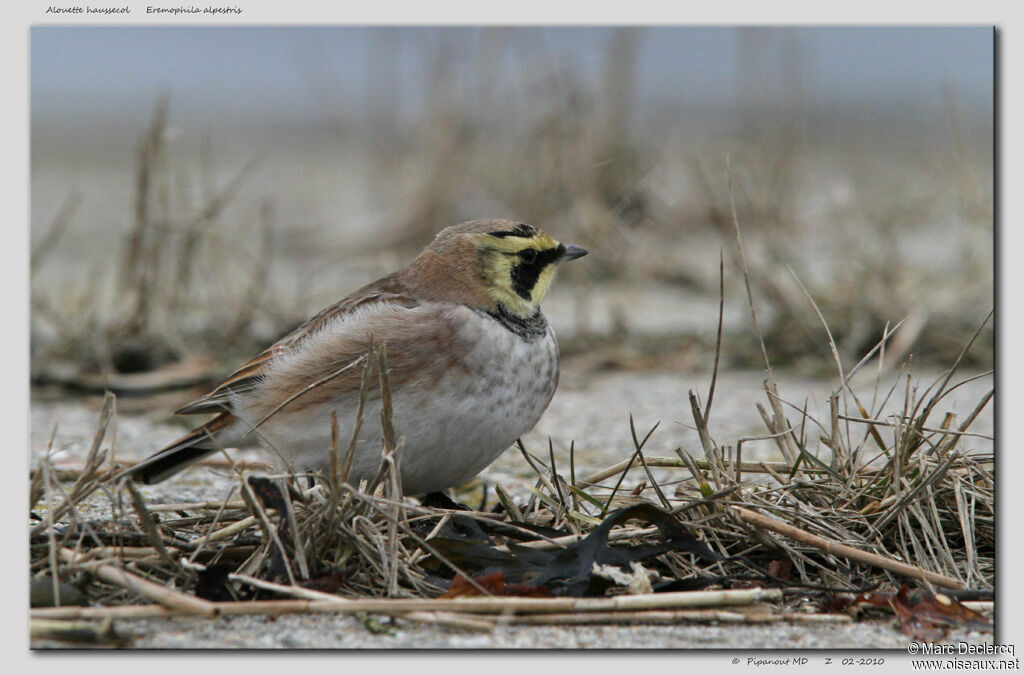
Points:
(305, 75)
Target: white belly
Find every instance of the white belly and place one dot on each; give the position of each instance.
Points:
(449, 430)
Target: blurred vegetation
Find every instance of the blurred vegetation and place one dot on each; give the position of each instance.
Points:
(878, 229)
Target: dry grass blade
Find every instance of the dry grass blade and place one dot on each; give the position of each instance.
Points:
(386, 413)
(506, 501)
(670, 462)
(846, 551)
(261, 276)
(647, 470)
(639, 446)
(472, 605)
(149, 149)
(746, 273)
(828, 331)
(157, 592)
(305, 390)
(706, 442)
(563, 503)
(364, 383)
(718, 336)
(56, 230)
(76, 632)
(334, 463)
(293, 529)
(270, 533)
(51, 539)
(149, 526)
(450, 619)
(227, 531)
(90, 479)
(37, 484)
(907, 497)
(913, 441)
(433, 551)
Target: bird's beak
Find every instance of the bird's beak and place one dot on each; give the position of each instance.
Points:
(571, 253)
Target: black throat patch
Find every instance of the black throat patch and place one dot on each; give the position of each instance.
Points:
(530, 329)
(525, 274)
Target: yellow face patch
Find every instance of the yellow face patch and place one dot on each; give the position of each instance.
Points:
(519, 267)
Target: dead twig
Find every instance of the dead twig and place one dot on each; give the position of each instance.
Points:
(845, 551)
(162, 594)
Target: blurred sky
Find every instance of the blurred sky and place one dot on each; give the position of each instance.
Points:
(303, 75)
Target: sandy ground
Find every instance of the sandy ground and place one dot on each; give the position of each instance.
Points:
(348, 632)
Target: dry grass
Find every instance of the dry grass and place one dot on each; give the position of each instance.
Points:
(125, 322)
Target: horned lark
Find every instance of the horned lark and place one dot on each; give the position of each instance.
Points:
(473, 363)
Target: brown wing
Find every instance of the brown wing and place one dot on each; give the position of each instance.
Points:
(422, 343)
(246, 377)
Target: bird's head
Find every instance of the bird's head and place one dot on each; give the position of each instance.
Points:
(513, 264)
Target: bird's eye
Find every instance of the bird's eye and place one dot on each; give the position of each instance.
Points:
(528, 256)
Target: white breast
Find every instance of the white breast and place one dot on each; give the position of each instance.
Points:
(452, 428)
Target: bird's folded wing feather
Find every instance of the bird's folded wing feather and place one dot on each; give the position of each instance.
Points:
(248, 377)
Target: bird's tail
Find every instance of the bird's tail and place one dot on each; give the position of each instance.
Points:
(181, 454)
